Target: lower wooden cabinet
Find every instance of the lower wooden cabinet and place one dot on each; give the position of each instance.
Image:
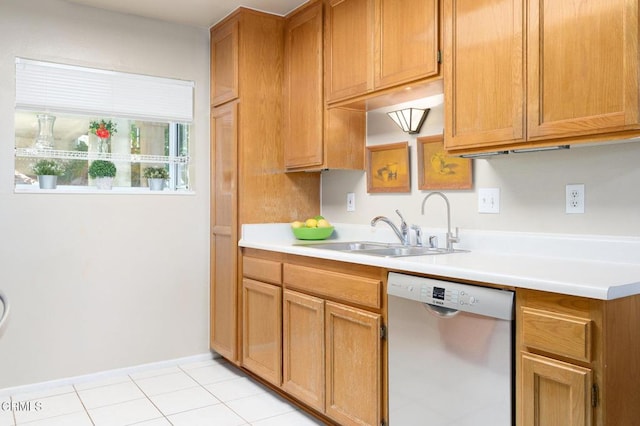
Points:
(313, 329)
(303, 348)
(332, 358)
(554, 393)
(577, 360)
(262, 330)
(353, 364)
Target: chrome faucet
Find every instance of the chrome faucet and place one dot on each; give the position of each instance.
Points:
(402, 232)
(450, 237)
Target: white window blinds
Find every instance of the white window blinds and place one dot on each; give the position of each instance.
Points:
(51, 87)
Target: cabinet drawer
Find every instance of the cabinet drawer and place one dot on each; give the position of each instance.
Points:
(345, 287)
(264, 270)
(564, 335)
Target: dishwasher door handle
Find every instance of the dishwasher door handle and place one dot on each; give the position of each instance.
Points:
(5, 312)
(441, 311)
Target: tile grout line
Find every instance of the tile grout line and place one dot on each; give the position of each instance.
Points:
(75, 390)
(265, 390)
(150, 400)
(13, 413)
(15, 419)
(247, 423)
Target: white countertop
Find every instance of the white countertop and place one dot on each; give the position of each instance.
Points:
(598, 267)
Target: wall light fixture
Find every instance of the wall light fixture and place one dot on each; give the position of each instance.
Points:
(409, 119)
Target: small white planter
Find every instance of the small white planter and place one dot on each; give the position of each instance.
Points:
(156, 184)
(104, 182)
(47, 181)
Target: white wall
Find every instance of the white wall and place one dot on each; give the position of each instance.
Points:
(532, 188)
(99, 282)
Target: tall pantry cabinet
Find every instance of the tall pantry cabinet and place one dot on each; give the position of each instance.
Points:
(249, 184)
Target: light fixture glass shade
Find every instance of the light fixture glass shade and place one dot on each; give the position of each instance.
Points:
(409, 119)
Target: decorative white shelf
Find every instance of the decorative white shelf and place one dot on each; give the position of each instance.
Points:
(84, 155)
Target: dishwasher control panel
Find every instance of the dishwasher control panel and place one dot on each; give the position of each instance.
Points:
(462, 297)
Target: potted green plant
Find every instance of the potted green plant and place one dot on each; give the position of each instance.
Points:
(156, 176)
(48, 172)
(103, 172)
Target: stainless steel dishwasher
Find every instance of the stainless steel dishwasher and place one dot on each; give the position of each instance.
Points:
(450, 353)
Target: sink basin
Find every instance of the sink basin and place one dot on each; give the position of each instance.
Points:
(403, 251)
(349, 245)
(378, 249)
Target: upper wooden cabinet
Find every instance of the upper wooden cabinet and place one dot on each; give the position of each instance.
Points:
(406, 35)
(224, 63)
(315, 138)
(574, 79)
(303, 88)
(483, 72)
(376, 44)
(582, 67)
(348, 44)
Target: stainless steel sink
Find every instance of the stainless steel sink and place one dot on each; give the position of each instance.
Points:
(378, 249)
(349, 245)
(403, 251)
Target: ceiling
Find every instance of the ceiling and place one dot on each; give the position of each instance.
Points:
(200, 13)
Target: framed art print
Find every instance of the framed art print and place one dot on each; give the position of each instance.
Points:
(388, 168)
(437, 170)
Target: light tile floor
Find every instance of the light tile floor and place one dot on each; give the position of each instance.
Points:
(202, 393)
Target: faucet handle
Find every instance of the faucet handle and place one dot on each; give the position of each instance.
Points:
(454, 238)
(418, 231)
(404, 229)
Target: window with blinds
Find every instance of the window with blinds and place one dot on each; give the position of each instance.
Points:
(73, 116)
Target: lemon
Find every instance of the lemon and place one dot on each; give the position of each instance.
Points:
(311, 223)
(318, 217)
(297, 224)
(323, 223)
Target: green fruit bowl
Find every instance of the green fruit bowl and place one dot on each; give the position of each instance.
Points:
(305, 233)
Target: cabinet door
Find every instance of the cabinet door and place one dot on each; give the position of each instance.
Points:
(484, 73)
(303, 348)
(353, 363)
(348, 54)
(582, 67)
(224, 238)
(304, 106)
(345, 138)
(224, 63)
(261, 329)
(406, 41)
(554, 393)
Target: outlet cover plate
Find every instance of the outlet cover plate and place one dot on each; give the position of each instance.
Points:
(489, 200)
(575, 198)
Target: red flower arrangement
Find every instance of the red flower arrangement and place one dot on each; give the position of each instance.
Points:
(103, 129)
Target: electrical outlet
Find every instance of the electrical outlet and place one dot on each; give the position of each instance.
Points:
(575, 198)
(489, 200)
(351, 202)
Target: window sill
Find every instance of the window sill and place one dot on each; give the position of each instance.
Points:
(116, 190)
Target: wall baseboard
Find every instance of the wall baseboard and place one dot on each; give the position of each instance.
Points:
(102, 375)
